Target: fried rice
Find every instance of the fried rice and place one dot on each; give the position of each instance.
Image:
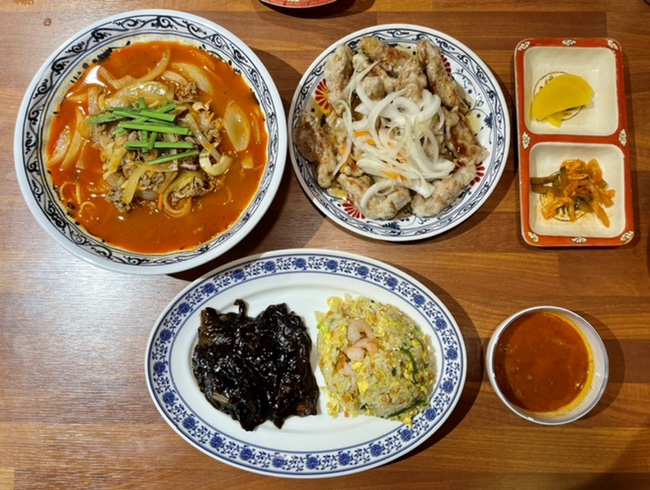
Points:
(375, 360)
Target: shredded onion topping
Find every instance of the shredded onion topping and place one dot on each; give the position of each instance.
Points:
(395, 137)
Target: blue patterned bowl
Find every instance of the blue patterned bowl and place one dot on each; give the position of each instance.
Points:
(58, 73)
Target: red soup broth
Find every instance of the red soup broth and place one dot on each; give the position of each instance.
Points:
(542, 362)
(147, 229)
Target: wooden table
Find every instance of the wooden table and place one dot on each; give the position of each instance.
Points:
(74, 406)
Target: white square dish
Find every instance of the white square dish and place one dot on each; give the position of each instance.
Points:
(545, 159)
(597, 66)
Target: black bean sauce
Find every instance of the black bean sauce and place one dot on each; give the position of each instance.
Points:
(255, 369)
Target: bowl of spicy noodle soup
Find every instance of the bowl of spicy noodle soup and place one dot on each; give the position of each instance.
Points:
(150, 142)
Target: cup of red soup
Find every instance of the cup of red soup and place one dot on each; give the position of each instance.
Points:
(547, 364)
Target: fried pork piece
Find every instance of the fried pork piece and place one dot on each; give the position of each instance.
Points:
(384, 206)
(398, 64)
(446, 191)
(338, 70)
(461, 140)
(315, 145)
(377, 83)
(439, 80)
(390, 59)
(412, 81)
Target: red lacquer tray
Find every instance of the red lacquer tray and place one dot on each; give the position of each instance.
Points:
(598, 130)
(297, 4)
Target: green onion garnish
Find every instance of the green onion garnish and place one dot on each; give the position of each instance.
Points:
(150, 122)
(152, 140)
(159, 128)
(405, 409)
(414, 365)
(159, 145)
(169, 158)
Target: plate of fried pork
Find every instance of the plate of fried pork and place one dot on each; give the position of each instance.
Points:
(398, 132)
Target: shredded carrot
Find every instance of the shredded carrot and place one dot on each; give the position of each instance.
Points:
(340, 361)
(576, 189)
(393, 175)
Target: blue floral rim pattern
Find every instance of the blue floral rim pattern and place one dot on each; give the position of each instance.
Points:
(336, 461)
(67, 64)
(489, 109)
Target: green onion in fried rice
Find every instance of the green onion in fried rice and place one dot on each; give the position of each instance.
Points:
(375, 360)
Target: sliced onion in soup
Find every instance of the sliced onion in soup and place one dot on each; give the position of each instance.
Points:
(237, 126)
(195, 74)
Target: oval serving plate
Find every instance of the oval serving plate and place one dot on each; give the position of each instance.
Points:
(488, 116)
(60, 71)
(306, 447)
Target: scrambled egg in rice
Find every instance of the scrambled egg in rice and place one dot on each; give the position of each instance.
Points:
(375, 360)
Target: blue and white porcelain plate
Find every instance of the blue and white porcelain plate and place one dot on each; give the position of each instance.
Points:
(306, 447)
(64, 67)
(488, 116)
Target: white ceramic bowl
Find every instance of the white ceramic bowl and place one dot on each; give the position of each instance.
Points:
(594, 387)
(59, 72)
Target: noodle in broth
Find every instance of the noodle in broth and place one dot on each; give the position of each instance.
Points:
(150, 190)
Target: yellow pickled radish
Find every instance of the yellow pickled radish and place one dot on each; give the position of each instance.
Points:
(556, 119)
(559, 94)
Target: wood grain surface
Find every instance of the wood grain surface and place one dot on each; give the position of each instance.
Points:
(74, 407)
